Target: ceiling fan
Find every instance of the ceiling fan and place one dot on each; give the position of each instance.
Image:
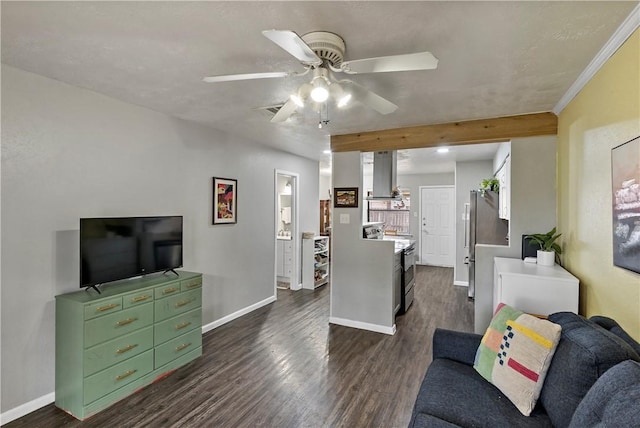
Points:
(322, 54)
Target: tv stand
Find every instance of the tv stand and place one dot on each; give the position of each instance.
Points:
(171, 270)
(110, 345)
(95, 287)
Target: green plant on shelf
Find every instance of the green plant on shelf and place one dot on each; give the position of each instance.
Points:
(489, 184)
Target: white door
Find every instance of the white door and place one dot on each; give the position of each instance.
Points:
(437, 226)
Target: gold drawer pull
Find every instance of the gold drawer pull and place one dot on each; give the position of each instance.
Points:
(125, 374)
(125, 322)
(170, 290)
(182, 303)
(183, 346)
(195, 284)
(107, 307)
(183, 325)
(140, 299)
(125, 349)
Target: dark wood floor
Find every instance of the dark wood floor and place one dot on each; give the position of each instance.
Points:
(285, 366)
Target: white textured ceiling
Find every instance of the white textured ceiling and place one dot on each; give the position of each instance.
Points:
(496, 58)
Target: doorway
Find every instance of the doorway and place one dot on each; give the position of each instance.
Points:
(437, 225)
(286, 235)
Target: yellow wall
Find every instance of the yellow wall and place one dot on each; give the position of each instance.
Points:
(605, 114)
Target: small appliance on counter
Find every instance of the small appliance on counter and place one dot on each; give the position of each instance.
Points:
(373, 230)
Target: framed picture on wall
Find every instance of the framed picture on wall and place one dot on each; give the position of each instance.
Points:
(625, 180)
(225, 196)
(345, 197)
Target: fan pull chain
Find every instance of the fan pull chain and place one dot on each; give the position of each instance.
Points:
(324, 122)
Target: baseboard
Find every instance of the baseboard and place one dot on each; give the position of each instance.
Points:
(33, 405)
(237, 314)
(26, 408)
(363, 325)
(461, 283)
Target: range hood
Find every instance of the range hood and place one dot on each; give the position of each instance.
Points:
(384, 176)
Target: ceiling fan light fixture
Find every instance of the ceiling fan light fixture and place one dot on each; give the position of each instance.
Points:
(320, 91)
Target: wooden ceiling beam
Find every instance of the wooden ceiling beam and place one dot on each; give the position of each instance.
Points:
(449, 134)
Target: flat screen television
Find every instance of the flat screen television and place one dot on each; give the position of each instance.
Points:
(116, 248)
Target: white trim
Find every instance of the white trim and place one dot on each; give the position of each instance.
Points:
(237, 314)
(461, 283)
(624, 31)
(363, 325)
(26, 408)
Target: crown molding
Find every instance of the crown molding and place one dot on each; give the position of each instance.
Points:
(624, 31)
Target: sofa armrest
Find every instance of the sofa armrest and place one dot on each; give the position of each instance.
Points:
(455, 345)
(615, 328)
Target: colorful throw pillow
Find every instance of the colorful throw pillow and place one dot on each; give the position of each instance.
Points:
(515, 354)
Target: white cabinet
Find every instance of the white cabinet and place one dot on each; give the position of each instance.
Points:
(504, 195)
(539, 290)
(284, 258)
(315, 262)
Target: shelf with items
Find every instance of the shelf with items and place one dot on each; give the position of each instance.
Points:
(315, 267)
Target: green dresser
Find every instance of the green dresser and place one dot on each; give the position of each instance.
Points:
(109, 345)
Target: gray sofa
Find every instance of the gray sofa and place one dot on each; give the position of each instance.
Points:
(593, 381)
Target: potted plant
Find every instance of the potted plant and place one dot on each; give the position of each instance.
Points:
(548, 247)
(489, 184)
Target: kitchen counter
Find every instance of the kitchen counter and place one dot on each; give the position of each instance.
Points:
(400, 243)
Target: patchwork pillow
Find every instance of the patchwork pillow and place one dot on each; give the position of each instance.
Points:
(515, 354)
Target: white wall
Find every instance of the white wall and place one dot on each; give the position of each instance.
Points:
(69, 153)
(533, 210)
(324, 187)
(413, 183)
(361, 269)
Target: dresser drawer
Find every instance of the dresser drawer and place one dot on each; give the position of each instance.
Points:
(138, 298)
(176, 326)
(108, 380)
(102, 307)
(110, 326)
(167, 290)
(114, 351)
(178, 304)
(190, 284)
(177, 347)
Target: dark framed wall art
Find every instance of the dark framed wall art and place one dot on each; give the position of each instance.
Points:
(625, 180)
(225, 196)
(345, 197)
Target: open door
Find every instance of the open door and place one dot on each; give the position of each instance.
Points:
(287, 239)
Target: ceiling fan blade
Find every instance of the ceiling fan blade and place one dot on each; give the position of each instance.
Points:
(249, 76)
(383, 64)
(369, 98)
(292, 43)
(285, 112)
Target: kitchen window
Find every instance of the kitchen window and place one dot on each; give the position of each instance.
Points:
(394, 213)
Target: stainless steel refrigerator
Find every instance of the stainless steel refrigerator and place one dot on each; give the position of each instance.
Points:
(484, 226)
